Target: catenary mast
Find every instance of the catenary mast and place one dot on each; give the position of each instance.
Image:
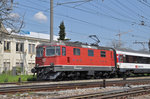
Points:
(51, 20)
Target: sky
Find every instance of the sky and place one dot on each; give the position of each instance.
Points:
(103, 18)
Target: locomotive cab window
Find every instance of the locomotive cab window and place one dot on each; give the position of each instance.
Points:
(76, 51)
(39, 52)
(103, 54)
(53, 51)
(90, 53)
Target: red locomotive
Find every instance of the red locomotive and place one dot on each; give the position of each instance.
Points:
(75, 60)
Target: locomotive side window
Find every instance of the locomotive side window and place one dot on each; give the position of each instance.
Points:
(90, 53)
(39, 52)
(57, 51)
(63, 51)
(76, 51)
(103, 54)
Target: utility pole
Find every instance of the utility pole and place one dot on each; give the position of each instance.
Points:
(119, 35)
(51, 20)
(142, 43)
(149, 45)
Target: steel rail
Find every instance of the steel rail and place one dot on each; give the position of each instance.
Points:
(34, 82)
(112, 94)
(24, 88)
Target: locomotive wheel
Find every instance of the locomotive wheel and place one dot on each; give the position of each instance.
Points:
(76, 76)
(59, 78)
(106, 75)
(98, 75)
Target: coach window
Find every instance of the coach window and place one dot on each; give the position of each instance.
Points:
(148, 60)
(76, 51)
(103, 54)
(63, 51)
(90, 53)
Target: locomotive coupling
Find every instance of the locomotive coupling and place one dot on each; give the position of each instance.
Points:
(51, 64)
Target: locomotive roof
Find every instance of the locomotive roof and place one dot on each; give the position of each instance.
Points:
(76, 44)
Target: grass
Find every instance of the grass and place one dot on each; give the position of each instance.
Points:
(9, 78)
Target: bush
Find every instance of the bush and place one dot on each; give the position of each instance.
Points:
(6, 80)
(10, 78)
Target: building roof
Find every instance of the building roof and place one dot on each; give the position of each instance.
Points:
(34, 35)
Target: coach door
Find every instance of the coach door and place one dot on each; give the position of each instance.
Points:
(120, 58)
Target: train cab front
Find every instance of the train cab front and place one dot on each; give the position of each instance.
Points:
(46, 58)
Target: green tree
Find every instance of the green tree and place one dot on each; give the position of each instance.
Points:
(62, 33)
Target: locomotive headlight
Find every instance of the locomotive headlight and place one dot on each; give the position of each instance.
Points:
(37, 65)
(44, 60)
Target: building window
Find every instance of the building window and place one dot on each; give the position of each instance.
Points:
(90, 53)
(19, 47)
(103, 54)
(63, 51)
(7, 46)
(20, 67)
(31, 65)
(76, 51)
(6, 66)
(31, 48)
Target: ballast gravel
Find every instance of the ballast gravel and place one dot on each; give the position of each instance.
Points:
(65, 93)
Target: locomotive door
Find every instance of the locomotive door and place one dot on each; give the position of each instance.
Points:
(112, 59)
(68, 53)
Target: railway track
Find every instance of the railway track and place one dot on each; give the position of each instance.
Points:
(74, 81)
(73, 85)
(119, 94)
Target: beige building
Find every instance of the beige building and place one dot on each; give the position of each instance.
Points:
(19, 50)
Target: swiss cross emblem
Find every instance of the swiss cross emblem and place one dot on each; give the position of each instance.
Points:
(136, 66)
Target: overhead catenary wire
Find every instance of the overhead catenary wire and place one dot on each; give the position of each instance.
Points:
(140, 9)
(84, 22)
(129, 9)
(112, 10)
(144, 3)
(47, 13)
